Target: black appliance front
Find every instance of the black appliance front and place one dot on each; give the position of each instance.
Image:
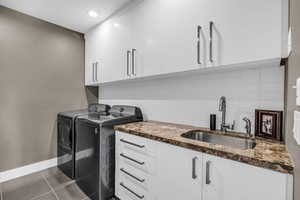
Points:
(65, 145)
(95, 159)
(66, 139)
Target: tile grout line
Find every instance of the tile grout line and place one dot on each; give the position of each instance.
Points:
(52, 189)
(63, 185)
(33, 198)
(39, 196)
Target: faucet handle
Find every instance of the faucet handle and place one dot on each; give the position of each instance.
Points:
(232, 125)
(248, 127)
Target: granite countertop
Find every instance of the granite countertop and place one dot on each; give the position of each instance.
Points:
(267, 154)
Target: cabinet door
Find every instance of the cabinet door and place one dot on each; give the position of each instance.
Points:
(107, 46)
(166, 35)
(115, 40)
(230, 180)
(90, 57)
(245, 31)
(179, 173)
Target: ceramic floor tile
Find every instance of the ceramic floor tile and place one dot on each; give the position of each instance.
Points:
(56, 178)
(70, 192)
(25, 188)
(90, 198)
(48, 196)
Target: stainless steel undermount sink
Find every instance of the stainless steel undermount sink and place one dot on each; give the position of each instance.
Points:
(234, 142)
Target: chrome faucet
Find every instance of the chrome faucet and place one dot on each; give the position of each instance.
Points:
(222, 108)
(248, 127)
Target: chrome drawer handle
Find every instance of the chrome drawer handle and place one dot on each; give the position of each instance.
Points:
(131, 143)
(194, 175)
(208, 181)
(134, 160)
(129, 174)
(132, 192)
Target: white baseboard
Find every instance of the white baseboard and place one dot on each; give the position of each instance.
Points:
(26, 170)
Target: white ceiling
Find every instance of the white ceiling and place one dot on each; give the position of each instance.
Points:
(72, 14)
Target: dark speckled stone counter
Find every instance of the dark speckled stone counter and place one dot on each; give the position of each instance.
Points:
(267, 154)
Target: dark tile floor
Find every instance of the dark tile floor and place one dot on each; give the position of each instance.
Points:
(50, 184)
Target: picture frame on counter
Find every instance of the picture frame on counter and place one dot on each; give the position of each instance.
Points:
(269, 124)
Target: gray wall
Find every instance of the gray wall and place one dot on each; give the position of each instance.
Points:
(41, 73)
(293, 71)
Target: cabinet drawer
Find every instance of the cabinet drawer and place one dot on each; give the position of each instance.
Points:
(129, 191)
(135, 143)
(127, 173)
(137, 161)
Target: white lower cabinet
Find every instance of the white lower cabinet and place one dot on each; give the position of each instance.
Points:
(152, 170)
(135, 167)
(179, 174)
(230, 180)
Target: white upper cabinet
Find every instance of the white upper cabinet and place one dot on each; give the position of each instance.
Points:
(92, 73)
(245, 31)
(154, 37)
(114, 42)
(166, 35)
(230, 180)
(110, 45)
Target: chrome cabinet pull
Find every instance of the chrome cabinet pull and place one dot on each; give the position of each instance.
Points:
(199, 31)
(129, 174)
(207, 178)
(194, 175)
(131, 191)
(131, 143)
(133, 61)
(128, 63)
(199, 45)
(131, 159)
(211, 24)
(96, 71)
(198, 53)
(93, 72)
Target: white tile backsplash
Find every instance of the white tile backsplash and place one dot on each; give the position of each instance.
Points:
(191, 99)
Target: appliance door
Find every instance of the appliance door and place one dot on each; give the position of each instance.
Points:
(87, 157)
(65, 145)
